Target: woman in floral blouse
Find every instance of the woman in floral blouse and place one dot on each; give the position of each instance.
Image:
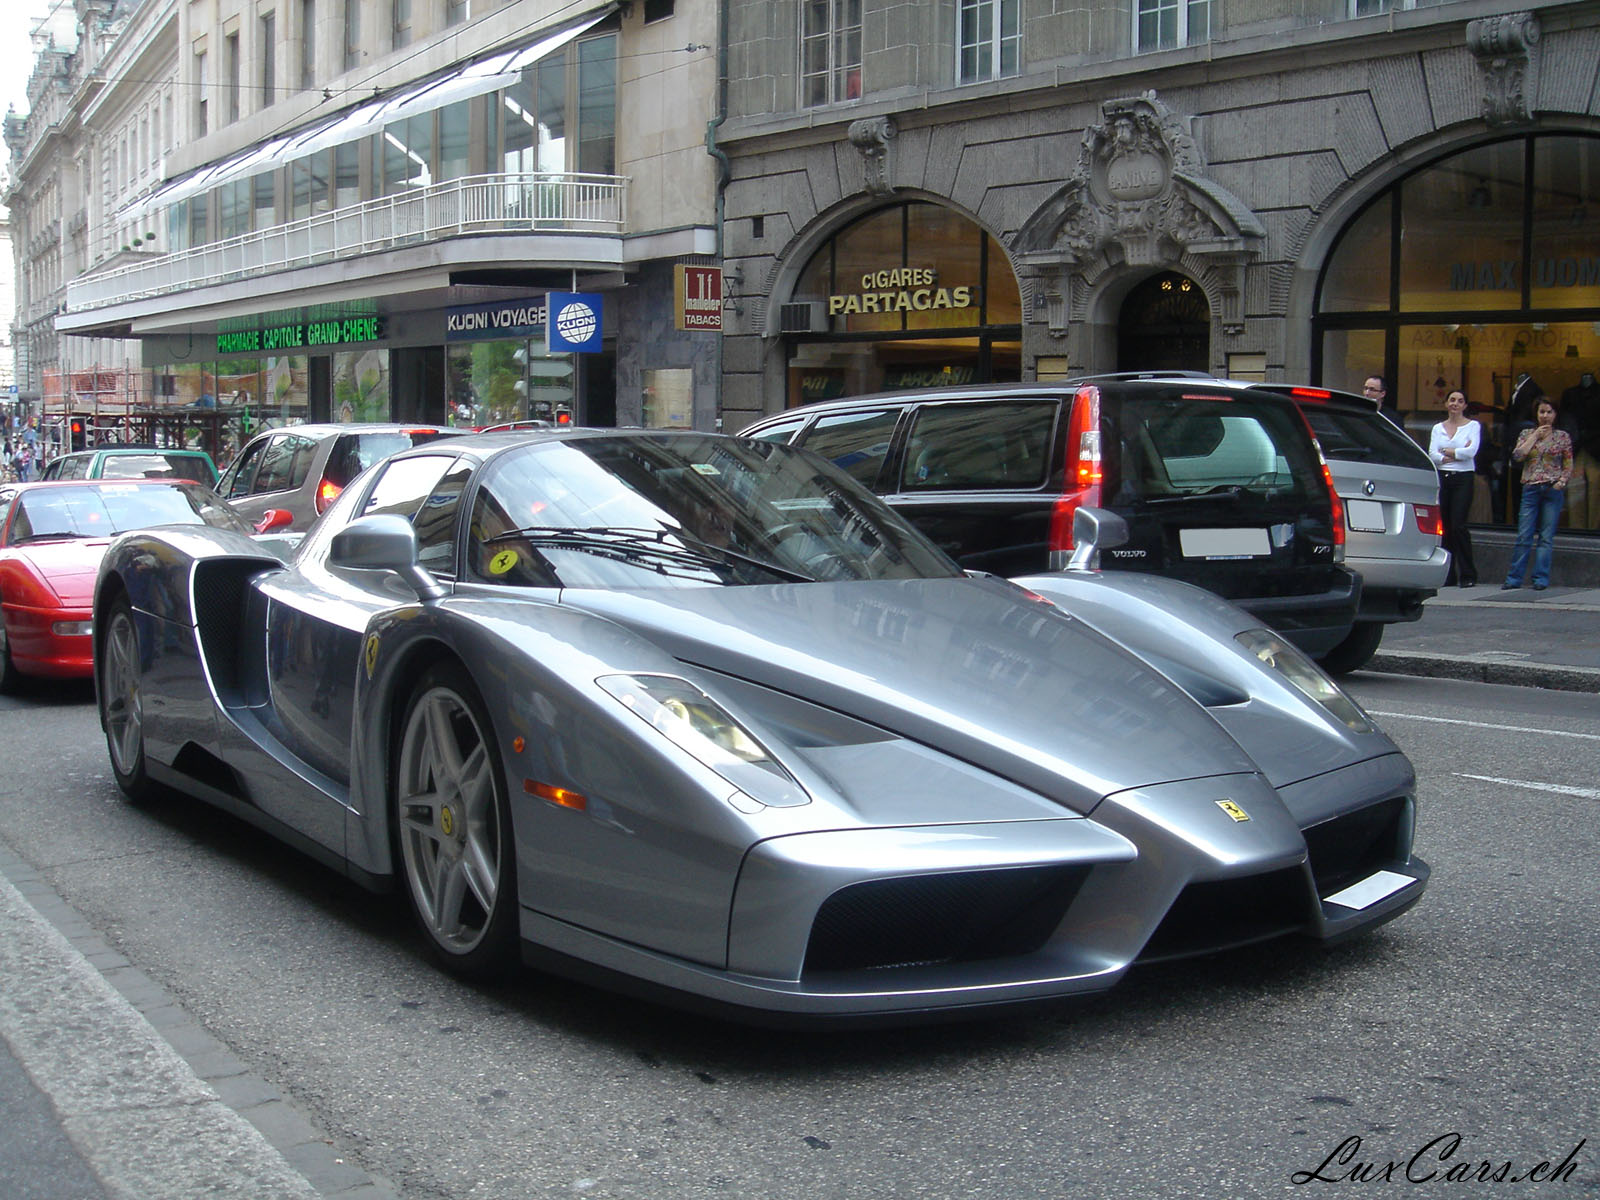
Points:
(1545, 453)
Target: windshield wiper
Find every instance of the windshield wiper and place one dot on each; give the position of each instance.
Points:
(647, 543)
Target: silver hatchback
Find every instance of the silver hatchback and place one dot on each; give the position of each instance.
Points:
(1393, 525)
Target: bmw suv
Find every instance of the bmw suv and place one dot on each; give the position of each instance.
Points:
(1221, 485)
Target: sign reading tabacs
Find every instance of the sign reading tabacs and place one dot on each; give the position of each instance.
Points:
(699, 297)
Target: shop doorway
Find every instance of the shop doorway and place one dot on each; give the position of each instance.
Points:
(1165, 325)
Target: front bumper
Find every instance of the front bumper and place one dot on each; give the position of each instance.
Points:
(921, 921)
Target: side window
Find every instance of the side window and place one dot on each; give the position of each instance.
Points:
(405, 484)
(74, 468)
(1002, 445)
(239, 477)
(284, 464)
(437, 518)
(781, 432)
(856, 443)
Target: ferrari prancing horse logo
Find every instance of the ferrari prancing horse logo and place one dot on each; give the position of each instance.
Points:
(1233, 810)
(371, 654)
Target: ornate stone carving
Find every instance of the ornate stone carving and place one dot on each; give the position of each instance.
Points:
(1507, 50)
(1139, 196)
(873, 136)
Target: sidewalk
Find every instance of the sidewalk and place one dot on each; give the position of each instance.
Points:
(1548, 639)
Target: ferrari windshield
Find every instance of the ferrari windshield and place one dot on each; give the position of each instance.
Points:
(101, 510)
(683, 509)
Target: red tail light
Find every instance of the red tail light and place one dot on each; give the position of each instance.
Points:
(1306, 393)
(1430, 519)
(1084, 467)
(1338, 504)
(327, 493)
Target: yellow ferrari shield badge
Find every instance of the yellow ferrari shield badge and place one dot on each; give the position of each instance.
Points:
(370, 654)
(502, 562)
(1233, 810)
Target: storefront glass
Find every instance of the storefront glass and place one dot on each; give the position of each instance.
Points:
(906, 297)
(491, 382)
(1498, 279)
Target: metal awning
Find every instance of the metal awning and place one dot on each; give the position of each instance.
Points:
(477, 78)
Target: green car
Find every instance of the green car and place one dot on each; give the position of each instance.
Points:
(133, 462)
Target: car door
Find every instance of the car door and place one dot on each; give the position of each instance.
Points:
(316, 618)
(974, 477)
(273, 475)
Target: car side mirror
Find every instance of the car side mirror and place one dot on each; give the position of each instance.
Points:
(1093, 530)
(274, 518)
(384, 543)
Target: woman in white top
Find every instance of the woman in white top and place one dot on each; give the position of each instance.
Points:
(1453, 446)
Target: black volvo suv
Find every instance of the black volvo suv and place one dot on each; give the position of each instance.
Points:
(1221, 486)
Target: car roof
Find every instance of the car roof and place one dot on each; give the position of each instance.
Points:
(325, 428)
(106, 483)
(1043, 390)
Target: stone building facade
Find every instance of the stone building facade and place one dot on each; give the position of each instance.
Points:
(1309, 192)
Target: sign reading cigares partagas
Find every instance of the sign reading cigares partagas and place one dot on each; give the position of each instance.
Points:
(902, 290)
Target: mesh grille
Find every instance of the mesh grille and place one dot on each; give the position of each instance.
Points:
(1355, 845)
(960, 917)
(1231, 912)
(218, 598)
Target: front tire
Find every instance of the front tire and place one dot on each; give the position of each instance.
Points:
(10, 677)
(120, 698)
(1357, 649)
(453, 823)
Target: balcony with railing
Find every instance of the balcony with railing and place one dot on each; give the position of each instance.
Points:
(474, 205)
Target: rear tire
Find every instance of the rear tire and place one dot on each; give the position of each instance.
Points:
(452, 820)
(1356, 650)
(121, 700)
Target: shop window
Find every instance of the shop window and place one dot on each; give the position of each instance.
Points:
(233, 209)
(1357, 278)
(455, 147)
(830, 52)
(990, 38)
(347, 174)
(1461, 232)
(361, 385)
(1167, 24)
(1564, 259)
(407, 154)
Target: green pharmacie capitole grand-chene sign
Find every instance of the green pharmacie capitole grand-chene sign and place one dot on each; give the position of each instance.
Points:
(340, 331)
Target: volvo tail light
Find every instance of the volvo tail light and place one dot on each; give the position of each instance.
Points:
(1337, 505)
(327, 493)
(1084, 467)
(1430, 519)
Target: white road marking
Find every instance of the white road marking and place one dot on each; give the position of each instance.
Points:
(1558, 788)
(1592, 737)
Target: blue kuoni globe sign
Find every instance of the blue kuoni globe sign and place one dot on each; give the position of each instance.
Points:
(575, 323)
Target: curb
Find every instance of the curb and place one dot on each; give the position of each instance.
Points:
(156, 1106)
(1515, 674)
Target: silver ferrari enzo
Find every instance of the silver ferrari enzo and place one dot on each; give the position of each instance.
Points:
(700, 717)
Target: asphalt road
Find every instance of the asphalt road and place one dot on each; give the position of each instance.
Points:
(1474, 1017)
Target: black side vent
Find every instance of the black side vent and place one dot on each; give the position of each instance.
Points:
(1219, 913)
(204, 767)
(923, 919)
(219, 595)
(1351, 847)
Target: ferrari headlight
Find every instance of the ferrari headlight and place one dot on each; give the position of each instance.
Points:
(702, 728)
(1305, 675)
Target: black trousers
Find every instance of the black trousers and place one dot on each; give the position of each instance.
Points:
(1455, 499)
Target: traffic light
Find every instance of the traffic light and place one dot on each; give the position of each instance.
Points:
(76, 434)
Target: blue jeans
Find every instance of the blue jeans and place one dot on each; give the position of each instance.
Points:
(1536, 532)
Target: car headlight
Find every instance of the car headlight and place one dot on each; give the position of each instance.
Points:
(1305, 675)
(703, 729)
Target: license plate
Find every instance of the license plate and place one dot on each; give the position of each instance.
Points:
(1365, 516)
(1224, 543)
(1370, 890)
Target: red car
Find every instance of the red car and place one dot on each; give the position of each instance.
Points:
(52, 537)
